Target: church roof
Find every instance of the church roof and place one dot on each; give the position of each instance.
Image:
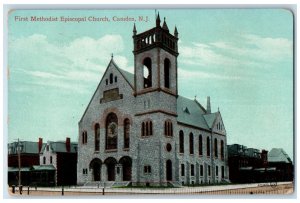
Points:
(128, 76)
(210, 118)
(191, 113)
(278, 155)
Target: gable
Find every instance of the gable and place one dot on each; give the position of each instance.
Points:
(109, 86)
(218, 125)
(189, 112)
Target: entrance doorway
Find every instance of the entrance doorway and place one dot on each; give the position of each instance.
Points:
(169, 170)
(95, 165)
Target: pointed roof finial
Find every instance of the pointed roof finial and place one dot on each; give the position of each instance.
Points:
(158, 20)
(165, 27)
(175, 32)
(134, 29)
(112, 55)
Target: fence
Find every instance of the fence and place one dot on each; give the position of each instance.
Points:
(246, 189)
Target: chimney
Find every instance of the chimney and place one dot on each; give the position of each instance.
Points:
(40, 144)
(264, 157)
(68, 144)
(208, 110)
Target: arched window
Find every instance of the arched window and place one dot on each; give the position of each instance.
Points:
(51, 160)
(151, 129)
(167, 72)
(147, 128)
(116, 79)
(207, 146)
(143, 129)
(126, 133)
(97, 137)
(84, 137)
(216, 148)
(44, 160)
(181, 142)
(200, 145)
(168, 128)
(222, 150)
(147, 72)
(191, 143)
(111, 131)
(111, 76)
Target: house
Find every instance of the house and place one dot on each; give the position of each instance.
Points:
(29, 156)
(61, 157)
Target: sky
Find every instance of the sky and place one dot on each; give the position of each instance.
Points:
(241, 58)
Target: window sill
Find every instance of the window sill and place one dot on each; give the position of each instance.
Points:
(126, 149)
(111, 150)
(96, 152)
(146, 136)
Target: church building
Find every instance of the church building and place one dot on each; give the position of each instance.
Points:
(138, 130)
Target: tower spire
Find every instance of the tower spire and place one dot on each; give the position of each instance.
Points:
(175, 32)
(158, 20)
(165, 27)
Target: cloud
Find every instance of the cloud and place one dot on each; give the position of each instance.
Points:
(247, 51)
(203, 54)
(82, 60)
(205, 75)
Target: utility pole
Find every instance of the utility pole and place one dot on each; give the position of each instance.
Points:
(19, 160)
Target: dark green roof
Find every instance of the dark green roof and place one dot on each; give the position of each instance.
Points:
(210, 119)
(190, 112)
(28, 147)
(278, 155)
(61, 147)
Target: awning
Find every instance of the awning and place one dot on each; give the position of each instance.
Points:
(16, 169)
(43, 168)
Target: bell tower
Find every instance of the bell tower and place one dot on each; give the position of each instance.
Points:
(155, 60)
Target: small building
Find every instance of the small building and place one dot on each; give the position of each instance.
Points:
(29, 156)
(279, 159)
(246, 164)
(62, 155)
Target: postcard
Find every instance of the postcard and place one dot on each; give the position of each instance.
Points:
(190, 101)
